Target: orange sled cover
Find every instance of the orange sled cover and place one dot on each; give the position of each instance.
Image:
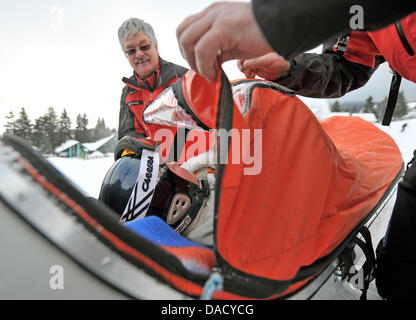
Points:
(317, 180)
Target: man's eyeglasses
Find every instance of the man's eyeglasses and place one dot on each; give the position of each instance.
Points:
(133, 51)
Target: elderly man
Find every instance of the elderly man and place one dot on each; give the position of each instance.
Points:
(152, 75)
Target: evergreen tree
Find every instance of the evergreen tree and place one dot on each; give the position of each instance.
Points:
(82, 133)
(10, 123)
(64, 128)
(401, 108)
(39, 137)
(51, 130)
(380, 108)
(354, 109)
(336, 107)
(369, 105)
(23, 126)
(48, 131)
(101, 130)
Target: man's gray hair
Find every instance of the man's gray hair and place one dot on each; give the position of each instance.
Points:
(132, 26)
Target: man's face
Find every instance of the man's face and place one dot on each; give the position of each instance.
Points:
(145, 58)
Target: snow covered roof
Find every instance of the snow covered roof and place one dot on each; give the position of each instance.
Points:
(92, 146)
(66, 145)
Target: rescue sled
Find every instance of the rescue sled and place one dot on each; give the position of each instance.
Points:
(331, 187)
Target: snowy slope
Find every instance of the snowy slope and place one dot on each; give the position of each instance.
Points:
(406, 139)
(86, 174)
(89, 174)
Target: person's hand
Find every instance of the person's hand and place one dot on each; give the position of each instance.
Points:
(271, 66)
(222, 32)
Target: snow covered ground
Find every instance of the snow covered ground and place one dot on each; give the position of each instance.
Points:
(88, 174)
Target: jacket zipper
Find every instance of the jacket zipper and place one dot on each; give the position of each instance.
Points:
(129, 84)
(403, 39)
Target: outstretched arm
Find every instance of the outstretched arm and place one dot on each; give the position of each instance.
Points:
(241, 30)
(325, 75)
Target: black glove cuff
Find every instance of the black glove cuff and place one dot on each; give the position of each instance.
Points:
(135, 145)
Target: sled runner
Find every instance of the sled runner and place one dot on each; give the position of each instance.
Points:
(281, 233)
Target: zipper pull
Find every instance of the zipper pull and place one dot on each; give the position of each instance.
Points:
(214, 283)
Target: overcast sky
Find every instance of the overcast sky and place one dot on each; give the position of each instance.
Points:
(65, 54)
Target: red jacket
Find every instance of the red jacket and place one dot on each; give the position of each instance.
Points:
(396, 43)
(138, 94)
